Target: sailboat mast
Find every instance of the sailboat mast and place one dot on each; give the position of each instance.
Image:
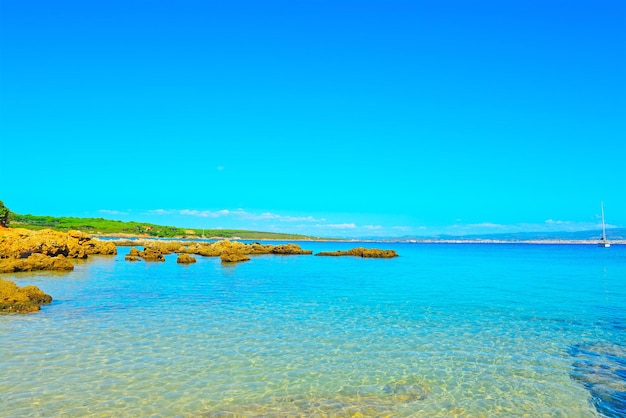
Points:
(603, 228)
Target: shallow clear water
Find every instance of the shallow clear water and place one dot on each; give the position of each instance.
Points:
(443, 330)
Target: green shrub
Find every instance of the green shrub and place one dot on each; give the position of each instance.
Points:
(4, 215)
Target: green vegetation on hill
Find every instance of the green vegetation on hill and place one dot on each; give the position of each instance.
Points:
(107, 226)
(4, 215)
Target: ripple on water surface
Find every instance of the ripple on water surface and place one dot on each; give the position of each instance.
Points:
(440, 331)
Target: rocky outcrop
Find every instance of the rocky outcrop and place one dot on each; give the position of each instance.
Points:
(22, 300)
(361, 252)
(233, 256)
(289, 249)
(35, 262)
(92, 246)
(216, 249)
(133, 255)
(185, 259)
(21, 243)
(129, 243)
(148, 254)
(152, 253)
(228, 251)
(25, 250)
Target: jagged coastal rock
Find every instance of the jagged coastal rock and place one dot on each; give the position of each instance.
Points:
(361, 252)
(233, 256)
(152, 254)
(211, 249)
(228, 251)
(21, 300)
(133, 255)
(25, 250)
(185, 259)
(35, 262)
(289, 249)
(234, 251)
(217, 248)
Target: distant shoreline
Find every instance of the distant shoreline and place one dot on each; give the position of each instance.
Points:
(356, 240)
(532, 241)
(112, 229)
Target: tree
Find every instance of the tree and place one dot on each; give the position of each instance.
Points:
(4, 215)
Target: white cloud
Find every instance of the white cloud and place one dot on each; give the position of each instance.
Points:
(405, 228)
(338, 226)
(372, 227)
(160, 212)
(204, 213)
(281, 218)
(112, 212)
(237, 213)
(486, 225)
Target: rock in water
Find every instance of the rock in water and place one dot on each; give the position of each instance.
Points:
(185, 259)
(21, 300)
(24, 250)
(289, 249)
(152, 254)
(35, 262)
(233, 256)
(361, 252)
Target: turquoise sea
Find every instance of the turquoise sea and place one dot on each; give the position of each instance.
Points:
(476, 330)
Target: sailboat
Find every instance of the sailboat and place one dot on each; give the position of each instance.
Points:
(603, 241)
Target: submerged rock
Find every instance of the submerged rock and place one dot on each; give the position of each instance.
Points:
(361, 252)
(601, 368)
(21, 300)
(185, 259)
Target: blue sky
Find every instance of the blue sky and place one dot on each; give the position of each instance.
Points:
(333, 118)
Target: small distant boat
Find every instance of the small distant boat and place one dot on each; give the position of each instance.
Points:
(603, 241)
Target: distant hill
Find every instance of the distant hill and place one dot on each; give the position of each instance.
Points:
(107, 226)
(612, 234)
